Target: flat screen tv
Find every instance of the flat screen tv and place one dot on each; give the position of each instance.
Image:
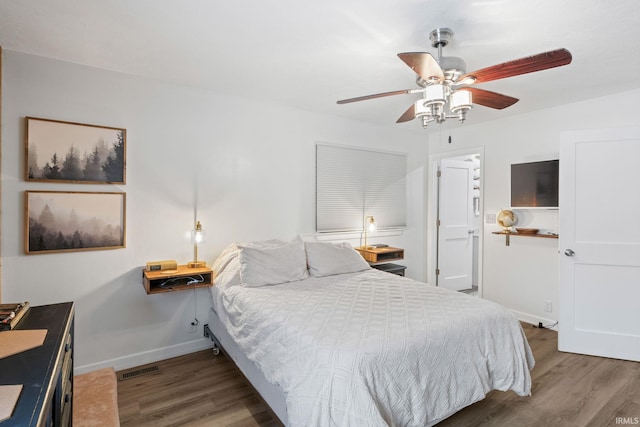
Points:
(535, 185)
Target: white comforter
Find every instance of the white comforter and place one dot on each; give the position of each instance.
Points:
(373, 349)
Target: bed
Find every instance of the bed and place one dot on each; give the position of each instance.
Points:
(327, 340)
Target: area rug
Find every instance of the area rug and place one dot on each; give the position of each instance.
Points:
(95, 399)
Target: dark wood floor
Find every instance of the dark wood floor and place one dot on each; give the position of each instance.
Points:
(198, 389)
(568, 390)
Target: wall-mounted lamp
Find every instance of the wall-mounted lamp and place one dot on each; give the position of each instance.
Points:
(369, 227)
(197, 237)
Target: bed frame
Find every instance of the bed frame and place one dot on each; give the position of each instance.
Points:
(272, 394)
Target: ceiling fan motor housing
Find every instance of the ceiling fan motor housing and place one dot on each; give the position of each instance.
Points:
(452, 68)
(440, 37)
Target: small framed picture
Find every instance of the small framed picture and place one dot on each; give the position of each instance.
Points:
(66, 221)
(74, 152)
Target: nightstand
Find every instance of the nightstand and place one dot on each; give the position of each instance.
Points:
(181, 279)
(380, 258)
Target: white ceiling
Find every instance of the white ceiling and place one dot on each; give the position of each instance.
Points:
(310, 54)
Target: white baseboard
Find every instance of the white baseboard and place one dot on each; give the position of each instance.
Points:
(534, 320)
(145, 357)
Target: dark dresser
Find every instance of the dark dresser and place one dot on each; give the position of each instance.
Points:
(46, 372)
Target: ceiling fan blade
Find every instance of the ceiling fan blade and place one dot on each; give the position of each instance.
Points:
(378, 95)
(530, 64)
(491, 99)
(423, 64)
(408, 115)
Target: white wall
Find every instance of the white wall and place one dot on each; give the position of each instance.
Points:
(525, 274)
(243, 168)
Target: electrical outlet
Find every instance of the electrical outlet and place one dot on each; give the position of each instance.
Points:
(193, 326)
(490, 218)
(548, 307)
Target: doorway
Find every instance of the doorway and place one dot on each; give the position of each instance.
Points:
(455, 221)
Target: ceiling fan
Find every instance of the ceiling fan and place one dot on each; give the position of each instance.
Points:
(445, 80)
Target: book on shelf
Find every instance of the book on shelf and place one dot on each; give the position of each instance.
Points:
(10, 314)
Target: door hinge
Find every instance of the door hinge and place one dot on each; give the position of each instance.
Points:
(439, 174)
(438, 223)
(437, 271)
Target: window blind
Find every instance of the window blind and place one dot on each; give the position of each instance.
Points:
(352, 183)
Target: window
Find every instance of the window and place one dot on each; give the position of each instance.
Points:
(352, 183)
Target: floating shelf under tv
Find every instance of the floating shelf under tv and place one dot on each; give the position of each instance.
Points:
(507, 234)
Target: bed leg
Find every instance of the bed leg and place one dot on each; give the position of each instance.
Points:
(216, 345)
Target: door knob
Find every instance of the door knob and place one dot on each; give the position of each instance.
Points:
(569, 252)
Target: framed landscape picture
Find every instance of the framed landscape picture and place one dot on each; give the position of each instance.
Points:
(74, 152)
(66, 221)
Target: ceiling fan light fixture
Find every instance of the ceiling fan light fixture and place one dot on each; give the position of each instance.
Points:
(460, 102)
(420, 109)
(435, 98)
(435, 95)
(443, 80)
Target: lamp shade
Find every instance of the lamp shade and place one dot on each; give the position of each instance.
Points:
(369, 227)
(460, 100)
(435, 95)
(197, 234)
(197, 238)
(371, 224)
(420, 108)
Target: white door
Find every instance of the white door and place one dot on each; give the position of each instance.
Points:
(455, 233)
(599, 266)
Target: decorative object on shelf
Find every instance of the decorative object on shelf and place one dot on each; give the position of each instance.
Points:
(10, 314)
(74, 152)
(70, 221)
(370, 226)
(527, 230)
(197, 237)
(506, 219)
(169, 264)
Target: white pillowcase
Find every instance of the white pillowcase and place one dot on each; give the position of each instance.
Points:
(270, 265)
(226, 267)
(327, 259)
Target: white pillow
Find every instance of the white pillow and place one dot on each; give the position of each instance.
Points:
(327, 259)
(270, 265)
(229, 253)
(226, 267)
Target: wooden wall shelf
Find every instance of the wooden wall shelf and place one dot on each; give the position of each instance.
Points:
(375, 255)
(156, 282)
(507, 234)
(380, 258)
